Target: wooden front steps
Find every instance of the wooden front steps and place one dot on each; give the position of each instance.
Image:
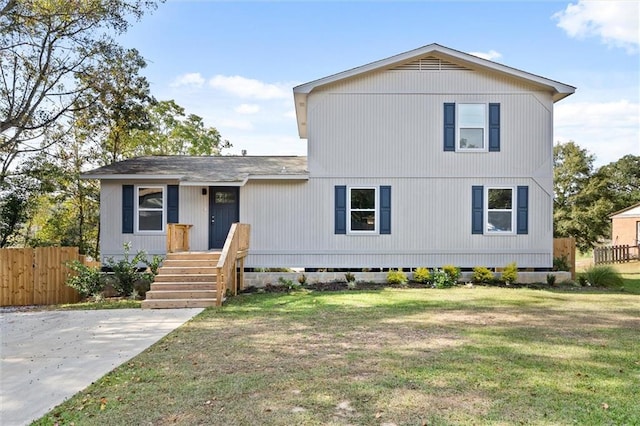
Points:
(185, 280)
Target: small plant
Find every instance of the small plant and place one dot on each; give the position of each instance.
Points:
(128, 273)
(551, 279)
(289, 284)
(349, 277)
(397, 277)
(582, 281)
(561, 263)
(302, 279)
(482, 274)
(453, 272)
(441, 279)
(603, 276)
(87, 280)
(422, 275)
(510, 273)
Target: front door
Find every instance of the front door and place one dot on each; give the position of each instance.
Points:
(223, 212)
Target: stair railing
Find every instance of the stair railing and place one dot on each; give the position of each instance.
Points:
(236, 248)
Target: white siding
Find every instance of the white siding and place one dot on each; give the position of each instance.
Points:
(431, 226)
(193, 210)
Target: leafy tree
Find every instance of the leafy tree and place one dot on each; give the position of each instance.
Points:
(172, 132)
(580, 210)
(44, 46)
(585, 198)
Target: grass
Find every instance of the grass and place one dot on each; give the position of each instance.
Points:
(395, 356)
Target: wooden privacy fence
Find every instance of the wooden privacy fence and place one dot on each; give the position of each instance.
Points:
(566, 247)
(614, 254)
(36, 276)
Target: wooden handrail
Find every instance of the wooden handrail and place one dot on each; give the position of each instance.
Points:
(235, 249)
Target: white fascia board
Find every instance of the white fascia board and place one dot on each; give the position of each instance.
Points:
(279, 177)
(216, 183)
(131, 177)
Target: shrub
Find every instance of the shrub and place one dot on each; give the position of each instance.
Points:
(128, 273)
(349, 277)
(422, 275)
(482, 274)
(510, 273)
(441, 279)
(453, 272)
(603, 276)
(302, 279)
(561, 263)
(397, 277)
(551, 279)
(289, 284)
(88, 279)
(582, 280)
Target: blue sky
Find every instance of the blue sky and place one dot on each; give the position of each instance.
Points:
(235, 63)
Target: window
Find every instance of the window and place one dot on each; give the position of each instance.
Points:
(499, 210)
(362, 210)
(471, 129)
(150, 208)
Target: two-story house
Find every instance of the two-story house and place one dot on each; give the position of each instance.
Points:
(426, 158)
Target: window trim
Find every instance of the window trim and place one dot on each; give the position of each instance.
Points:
(376, 211)
(485, 128)
(513, 211)
(137, 209)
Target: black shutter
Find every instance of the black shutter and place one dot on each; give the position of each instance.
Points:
(449, 127)
(522, 217)
(494, 127)
(173, 201)
(341, 209)
(127, 209)
(477, 209)
(385, 210)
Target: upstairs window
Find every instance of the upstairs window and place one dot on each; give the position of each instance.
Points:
(150, 208)
(362, 210)
(472, 125)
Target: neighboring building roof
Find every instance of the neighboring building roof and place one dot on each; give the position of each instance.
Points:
(631, 211)
(300, 93)
(205, 170)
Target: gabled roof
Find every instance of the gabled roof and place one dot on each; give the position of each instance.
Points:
(300, 93)
(629, 211)
(203, 171)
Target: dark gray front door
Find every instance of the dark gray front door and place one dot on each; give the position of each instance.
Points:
(223, 212)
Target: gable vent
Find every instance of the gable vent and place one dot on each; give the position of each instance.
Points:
(430, 63)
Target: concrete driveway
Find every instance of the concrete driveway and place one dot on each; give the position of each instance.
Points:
(48, 356)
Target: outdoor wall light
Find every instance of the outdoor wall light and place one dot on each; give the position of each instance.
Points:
(204, 191)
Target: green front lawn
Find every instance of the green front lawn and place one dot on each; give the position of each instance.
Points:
(395, 356)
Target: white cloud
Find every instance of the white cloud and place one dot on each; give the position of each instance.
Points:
(193, 79)
(247, 109)
(615, 22)
(250, 88)
(610, 130)
(491, 55)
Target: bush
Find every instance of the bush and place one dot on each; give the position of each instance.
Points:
(482, 274)
(551, 279)
(510, 273)
(87, 281)
(422, 275)
(453, 272)
(397, 277)
(349, 277)
(441, 279)
(128, 274)
(603, 276)
(561, 263)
